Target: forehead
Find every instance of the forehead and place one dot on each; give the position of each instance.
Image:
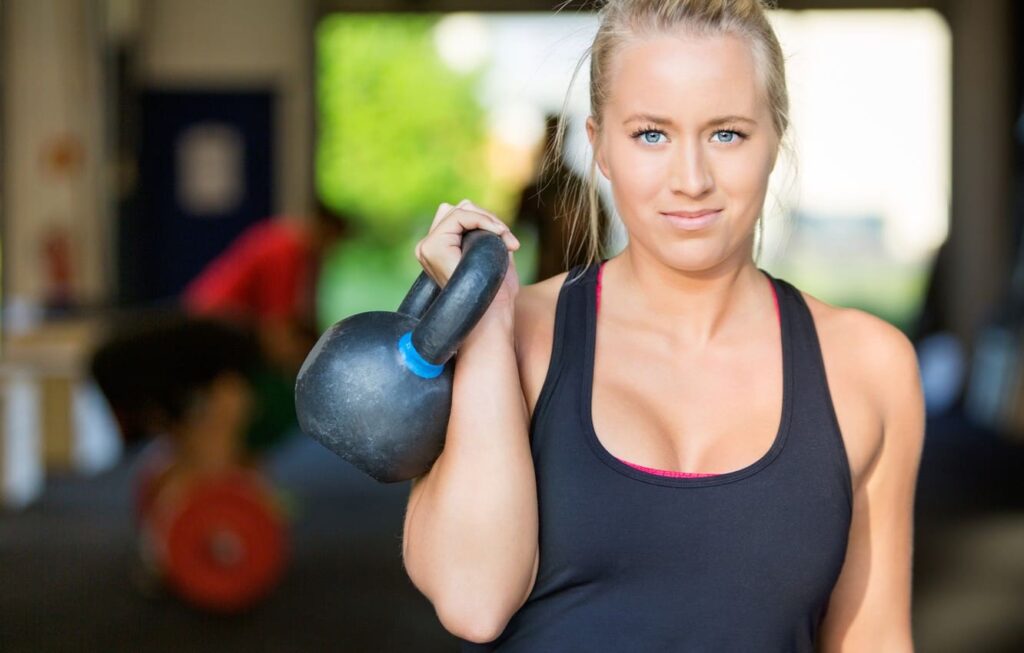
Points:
(685, 76)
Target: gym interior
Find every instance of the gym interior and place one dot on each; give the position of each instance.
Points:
(143, 141)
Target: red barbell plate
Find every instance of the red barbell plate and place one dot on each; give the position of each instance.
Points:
(223, 543)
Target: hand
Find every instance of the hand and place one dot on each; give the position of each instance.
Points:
(440, 252)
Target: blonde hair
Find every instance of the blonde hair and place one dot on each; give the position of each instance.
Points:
(625, 20)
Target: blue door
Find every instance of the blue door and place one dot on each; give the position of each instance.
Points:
(206, 173)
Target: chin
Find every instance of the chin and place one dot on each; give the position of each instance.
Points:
(692, 257)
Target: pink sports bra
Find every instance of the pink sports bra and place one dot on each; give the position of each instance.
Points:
(665, 472)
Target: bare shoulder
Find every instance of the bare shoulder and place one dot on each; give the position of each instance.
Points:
(872, 373)
(882, 354)
(534, 333)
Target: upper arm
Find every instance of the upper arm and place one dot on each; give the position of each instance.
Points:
(534, 324)
(869, 608)
(534, 336)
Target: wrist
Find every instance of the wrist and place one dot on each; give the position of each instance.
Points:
(496, 324)
(500, 316)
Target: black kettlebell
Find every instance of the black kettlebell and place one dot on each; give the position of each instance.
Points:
(376, 389)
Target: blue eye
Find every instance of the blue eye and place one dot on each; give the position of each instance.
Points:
(645, 134)
(732, 135)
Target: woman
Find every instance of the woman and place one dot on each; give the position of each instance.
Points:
(672, 450)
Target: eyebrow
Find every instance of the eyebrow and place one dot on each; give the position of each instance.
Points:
(658, 120)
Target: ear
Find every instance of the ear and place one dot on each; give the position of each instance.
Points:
(593, 136)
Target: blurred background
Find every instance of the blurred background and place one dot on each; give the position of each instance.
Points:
(192, 190)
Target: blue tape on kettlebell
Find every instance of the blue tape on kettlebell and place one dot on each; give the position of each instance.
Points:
(416, 363)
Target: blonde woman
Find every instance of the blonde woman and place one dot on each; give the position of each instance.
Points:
(671, 449)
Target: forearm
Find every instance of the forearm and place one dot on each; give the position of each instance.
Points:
(471, 528)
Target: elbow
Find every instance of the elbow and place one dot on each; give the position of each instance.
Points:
(472, 625)
(468, 620)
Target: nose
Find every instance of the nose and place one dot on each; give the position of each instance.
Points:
(691, 173)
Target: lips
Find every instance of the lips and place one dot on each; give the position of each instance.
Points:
(691, 214)
(692, 220)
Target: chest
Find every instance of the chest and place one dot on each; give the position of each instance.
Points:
(715, 412)
(657, 406)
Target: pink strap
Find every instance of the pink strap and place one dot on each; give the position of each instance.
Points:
(665, 472)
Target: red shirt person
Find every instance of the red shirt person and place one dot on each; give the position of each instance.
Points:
(265, 274)
(266, 278)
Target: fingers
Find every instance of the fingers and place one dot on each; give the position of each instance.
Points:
(440, 251)
(500, 227)
(445, 210)
(442, 212)
(486, 221)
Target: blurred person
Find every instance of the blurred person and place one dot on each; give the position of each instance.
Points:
(544, 200)
(266, 281)
(267, 278)
(671, 449)
(185, 380)
(217, 379)
(185, 384)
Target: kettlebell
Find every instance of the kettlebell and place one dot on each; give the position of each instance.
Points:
(376, 389)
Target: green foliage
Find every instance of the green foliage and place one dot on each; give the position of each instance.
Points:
(360, 276)
(399, 133)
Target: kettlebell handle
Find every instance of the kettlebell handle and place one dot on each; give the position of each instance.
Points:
(446, 316)
(419, 298)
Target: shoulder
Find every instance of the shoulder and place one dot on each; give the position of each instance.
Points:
(874, 375)
(537, 300)
(535, 314)
(277, 233)
(534, 332)
(880, 355)
(277, 245)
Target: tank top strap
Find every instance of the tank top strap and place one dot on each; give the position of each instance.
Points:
(815, 425)
(568, 351)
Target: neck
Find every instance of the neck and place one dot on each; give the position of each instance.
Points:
(697, 307)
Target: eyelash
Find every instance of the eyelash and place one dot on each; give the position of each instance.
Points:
(648, 128)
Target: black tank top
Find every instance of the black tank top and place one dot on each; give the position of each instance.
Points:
(632, 561)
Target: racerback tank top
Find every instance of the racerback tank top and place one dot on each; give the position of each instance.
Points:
(633, 561)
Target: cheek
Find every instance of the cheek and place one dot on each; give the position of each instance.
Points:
(634, 172)
(744, 179)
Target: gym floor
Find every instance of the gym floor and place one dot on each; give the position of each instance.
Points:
(68, 580)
